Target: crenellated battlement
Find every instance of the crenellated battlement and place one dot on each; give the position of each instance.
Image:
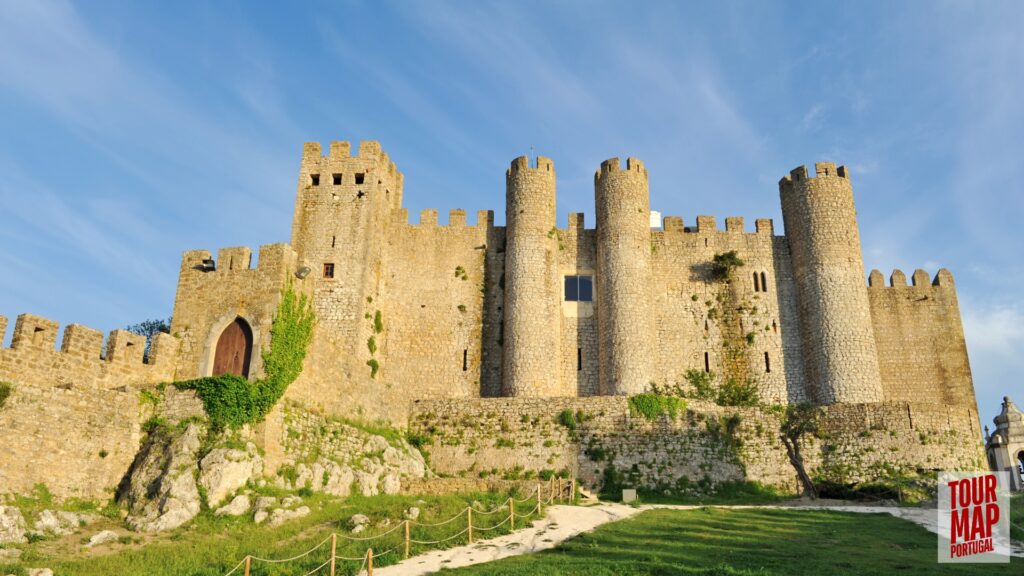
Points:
(919, 280)
(821, 170)
(456, 218)
(614, 166)
(340, 152)
(237, 260)
(35, 336)
(522, 164)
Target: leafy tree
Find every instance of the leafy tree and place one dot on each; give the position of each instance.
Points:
(723, 264)
(150, 328)
(798, 420)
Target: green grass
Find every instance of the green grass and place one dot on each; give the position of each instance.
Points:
(212, 546)
(724, 493)
(716, 541)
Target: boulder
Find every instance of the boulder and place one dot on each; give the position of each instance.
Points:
(263, 505)
(101, 538)
(238, 506)
(280, 516)
(160, 490)
(12, 526)
(40, 572)
(357, 523)
(412, 513)
(60, 523)
(225, 470)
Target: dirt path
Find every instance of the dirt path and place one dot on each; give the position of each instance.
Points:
(564, 522)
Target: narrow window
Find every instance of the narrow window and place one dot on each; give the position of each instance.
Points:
(314, 179)
(705, 324)
(336, 179)
(767, 363)
(764, 282)
(707, 363)
(360, 178)
(328, 270)
(231, 263)
(579, 288)
(579, 359)
(757, 286)
(775, 327)
(333, 239)
(465, 359)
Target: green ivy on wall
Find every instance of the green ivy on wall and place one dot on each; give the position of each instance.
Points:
(231, 400)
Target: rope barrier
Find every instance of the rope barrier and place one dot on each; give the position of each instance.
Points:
(366, 559)
(354, 539)
(317, 569)
(452, 519)
(439, 541)
(304, 554)
(495, 526)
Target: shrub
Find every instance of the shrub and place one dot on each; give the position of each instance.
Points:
(378, 322)
(5, 392)
(568, 419)
(371, 344)
(231, 400)
(736, 393)
(374, 367)
(651, 406)
(723, 264)
(701, 384)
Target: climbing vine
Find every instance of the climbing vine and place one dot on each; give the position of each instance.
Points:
(231, 400)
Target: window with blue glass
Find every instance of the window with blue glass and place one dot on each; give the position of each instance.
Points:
(579, 288)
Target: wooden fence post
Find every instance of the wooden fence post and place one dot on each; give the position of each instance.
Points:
(559, 489)
(539, 503)
(511, 514)
(406, 539)
(334, 551)
(369, 562)
(469, 516)
(248, 565)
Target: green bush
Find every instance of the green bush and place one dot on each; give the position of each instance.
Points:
(736, 393)
(231, 400)
(651, 406)
(568, 419)
(374, 367)
(723, 264)
(5, 392)
(701, 384)
(378, 322)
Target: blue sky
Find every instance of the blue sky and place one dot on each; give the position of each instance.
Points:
(132, 131)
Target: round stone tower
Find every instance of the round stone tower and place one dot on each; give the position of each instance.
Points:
(837, 336)
(623, 277)
(531, 332)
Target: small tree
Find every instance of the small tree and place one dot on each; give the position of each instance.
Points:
(798, 420)
(723, 264)
(150, 328)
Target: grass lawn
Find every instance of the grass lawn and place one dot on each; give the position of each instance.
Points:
(1017, 518)
(715, 541)
(213, 545)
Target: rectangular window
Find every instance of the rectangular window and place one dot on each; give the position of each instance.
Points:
(360, 178)
(328, 270)
(579, 289)
(314, 179)
(336, 179)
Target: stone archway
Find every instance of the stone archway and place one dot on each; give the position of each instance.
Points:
(234, 349)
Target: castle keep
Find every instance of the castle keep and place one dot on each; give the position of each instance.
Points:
(428, 325)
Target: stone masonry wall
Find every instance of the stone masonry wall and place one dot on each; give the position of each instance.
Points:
(705, 445)
(921, 348)
(73, 420)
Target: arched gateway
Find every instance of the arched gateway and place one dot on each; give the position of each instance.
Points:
(234, 349)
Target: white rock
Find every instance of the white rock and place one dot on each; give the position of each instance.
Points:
(101, 538)
(280, 516)
(12, 526)
(238, 506)
(412, 513)
(225, 470)
(391, 484)
(60, 523)
(367, 483)
(10, 554)
(265, 502)
(260, 516)
(40, 572)
(289, 501)
(376, 444)
(162, 492)
(340, 481)
(358, 521)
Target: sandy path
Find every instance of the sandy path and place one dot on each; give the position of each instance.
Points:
(564, 522)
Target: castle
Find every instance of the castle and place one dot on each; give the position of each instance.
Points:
(422, 324)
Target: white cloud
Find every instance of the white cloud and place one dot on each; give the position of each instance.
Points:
(995, 343)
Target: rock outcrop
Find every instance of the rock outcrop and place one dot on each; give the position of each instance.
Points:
(225, 470)
(160, 489)
(12, 526)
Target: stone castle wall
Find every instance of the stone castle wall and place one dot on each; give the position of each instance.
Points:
(73, 420)
(705, 445)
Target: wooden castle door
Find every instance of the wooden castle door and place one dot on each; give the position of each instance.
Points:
(234, 350)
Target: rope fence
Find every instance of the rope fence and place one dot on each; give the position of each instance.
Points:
(558, 490)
